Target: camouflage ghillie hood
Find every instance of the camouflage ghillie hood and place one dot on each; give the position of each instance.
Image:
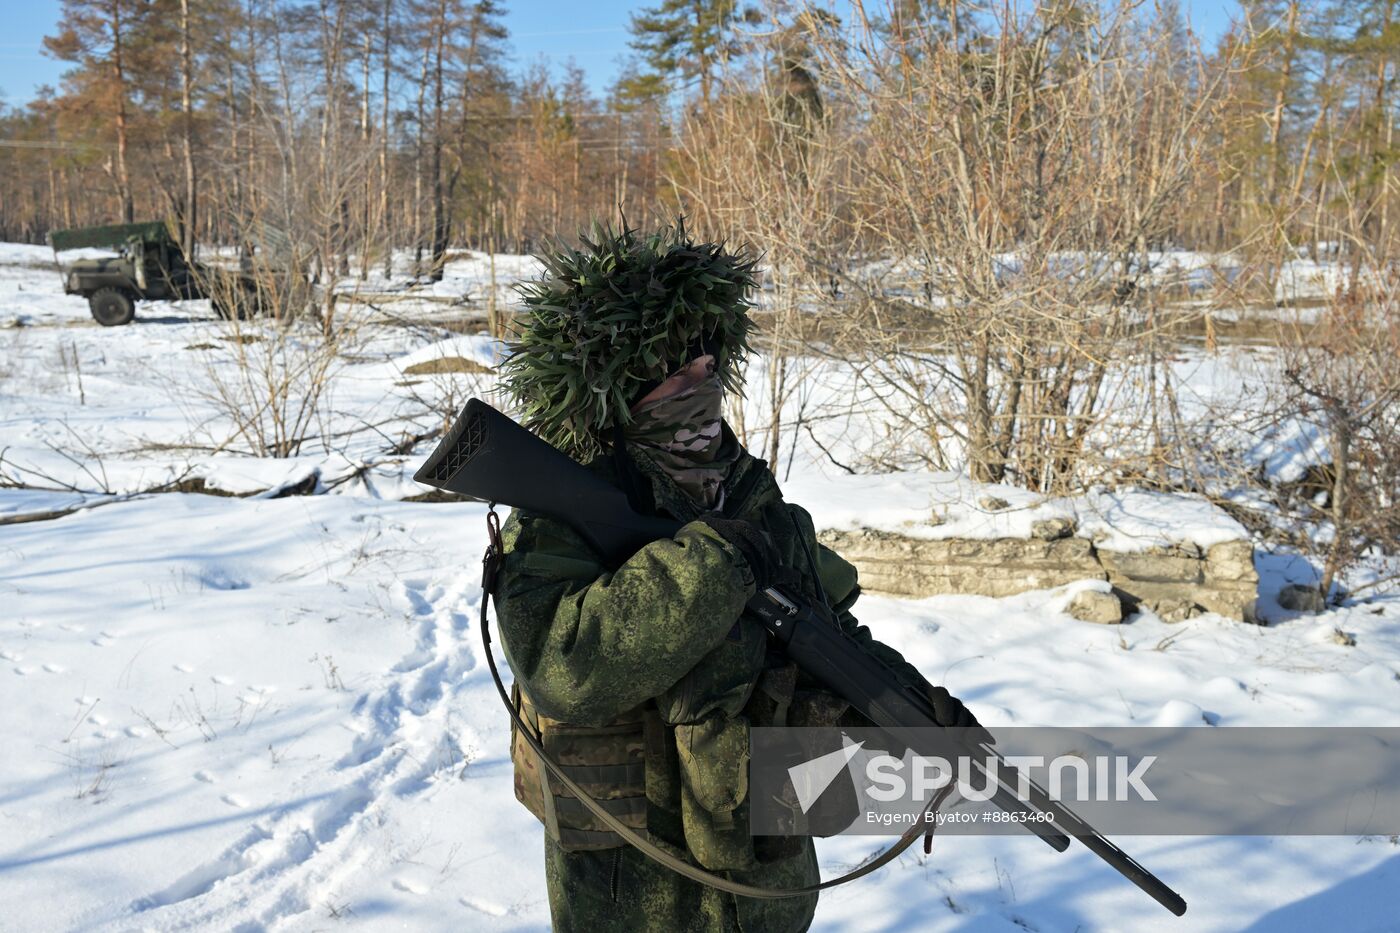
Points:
(605, 323)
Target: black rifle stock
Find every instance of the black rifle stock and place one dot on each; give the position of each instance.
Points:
(488, 457)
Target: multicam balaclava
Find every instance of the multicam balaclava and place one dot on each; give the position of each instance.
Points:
(682, 434)
(603, 323)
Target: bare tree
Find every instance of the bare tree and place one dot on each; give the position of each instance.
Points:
(765, 162)
(1014, 180)
(1340, 373)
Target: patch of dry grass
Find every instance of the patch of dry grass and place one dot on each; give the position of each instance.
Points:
(446, 364)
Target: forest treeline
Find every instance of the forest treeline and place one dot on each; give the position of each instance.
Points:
(373, 125)
(977, 194)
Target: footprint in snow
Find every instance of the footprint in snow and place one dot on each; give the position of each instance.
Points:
(11, 656)
(55, 668)
(234, 800)
(486, 907)
(71, 627)
(97, 719)
(136, 732)
(221, 680)
(208, 777)
(412, 887)
(184, 668)
(102, 641)
(24, 670)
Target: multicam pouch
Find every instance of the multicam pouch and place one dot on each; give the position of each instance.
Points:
(609, 762)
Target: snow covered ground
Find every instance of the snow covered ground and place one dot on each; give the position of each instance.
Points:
(273, 713)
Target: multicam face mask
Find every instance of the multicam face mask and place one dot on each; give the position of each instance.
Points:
(682, 435)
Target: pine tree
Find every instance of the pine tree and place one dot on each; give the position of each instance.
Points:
(682, 42)
(796, 51)
(96, 35)
(1370, 39)
(481, 105)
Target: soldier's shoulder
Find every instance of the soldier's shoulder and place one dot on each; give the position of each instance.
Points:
(751, 479)
(524, 528)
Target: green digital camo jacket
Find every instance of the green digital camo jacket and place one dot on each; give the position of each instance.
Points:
(643, 679)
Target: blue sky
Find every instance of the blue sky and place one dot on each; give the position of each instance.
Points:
(593, 32)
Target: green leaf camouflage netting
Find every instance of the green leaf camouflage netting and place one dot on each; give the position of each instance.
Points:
(603, 322)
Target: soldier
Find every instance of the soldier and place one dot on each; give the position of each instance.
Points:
(642, 680)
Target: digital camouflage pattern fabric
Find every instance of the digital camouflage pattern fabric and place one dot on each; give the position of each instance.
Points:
(654, 663)
(622, 889)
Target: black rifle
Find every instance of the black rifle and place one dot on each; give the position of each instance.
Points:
(488, 457)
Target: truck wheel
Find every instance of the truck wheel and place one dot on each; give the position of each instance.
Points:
(111, 307)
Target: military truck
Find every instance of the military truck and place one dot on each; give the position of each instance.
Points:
(149, 266)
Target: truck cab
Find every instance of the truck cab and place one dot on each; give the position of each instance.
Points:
(149, 265)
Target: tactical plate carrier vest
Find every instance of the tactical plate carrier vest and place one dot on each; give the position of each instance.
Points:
(608, 761)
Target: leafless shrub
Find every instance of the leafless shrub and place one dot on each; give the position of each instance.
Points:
(91, 772)
(280, 293)
(273, 387)
(191, 712)
(1308, 455)
(160, 731)
(330, 671)
(271, 372)
(92, 778)
(69, 359)
(91, 470)
(1342, 373)
(986, 207)
(768, 163)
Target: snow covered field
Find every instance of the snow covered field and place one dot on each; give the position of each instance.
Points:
(273, 713)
